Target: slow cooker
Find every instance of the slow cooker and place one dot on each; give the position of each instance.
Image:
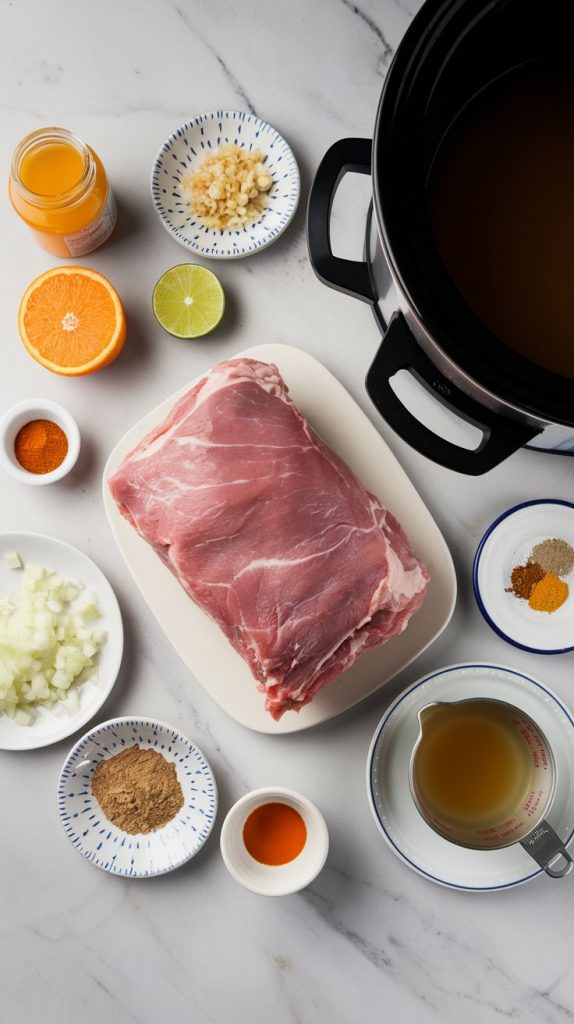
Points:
(451, 51)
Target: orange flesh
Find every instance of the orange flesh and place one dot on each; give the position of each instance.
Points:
(51, 169)
(71, 320)
(274, 834)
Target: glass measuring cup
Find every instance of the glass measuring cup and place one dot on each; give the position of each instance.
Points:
(522, 819)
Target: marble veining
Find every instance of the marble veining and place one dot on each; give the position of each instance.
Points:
(228, 74)
(386, 49)
(369, 938)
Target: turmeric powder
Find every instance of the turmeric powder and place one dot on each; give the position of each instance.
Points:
(548, 594)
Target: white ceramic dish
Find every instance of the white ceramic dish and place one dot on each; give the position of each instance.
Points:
(51, 726)
(182, 153)
(508, 542)
(282, 879)
(94, 836)
(37, 409)
(198, 640)
(389, 794)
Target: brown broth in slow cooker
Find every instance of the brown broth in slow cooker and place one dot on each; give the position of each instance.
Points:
(500, 195)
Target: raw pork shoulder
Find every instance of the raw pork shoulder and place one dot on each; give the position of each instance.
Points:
(270, 532)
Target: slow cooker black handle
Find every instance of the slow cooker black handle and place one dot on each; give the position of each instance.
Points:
(346, 275)
(399, 350)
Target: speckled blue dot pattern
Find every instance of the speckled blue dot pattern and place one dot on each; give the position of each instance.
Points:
(182, 154)
(136, 856)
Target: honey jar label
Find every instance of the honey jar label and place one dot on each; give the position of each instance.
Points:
(95, 234)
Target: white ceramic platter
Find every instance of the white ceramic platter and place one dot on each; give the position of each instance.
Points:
(182, 154)
(509, 542)
(105, 845)
(51, 726)
(198, 640)
(389, 794)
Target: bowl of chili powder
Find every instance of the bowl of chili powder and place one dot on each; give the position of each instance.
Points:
(39, 442)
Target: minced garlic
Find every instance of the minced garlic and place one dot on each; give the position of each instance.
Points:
(229, 190)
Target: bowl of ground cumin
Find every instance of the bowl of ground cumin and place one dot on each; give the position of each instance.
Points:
(137, 797)
(523, 576)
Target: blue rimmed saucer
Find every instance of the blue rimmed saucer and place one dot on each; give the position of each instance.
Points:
(182, 153)
(97, 839)
(389, 794)
(507, 543)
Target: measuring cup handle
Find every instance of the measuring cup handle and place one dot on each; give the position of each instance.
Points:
(548, 850)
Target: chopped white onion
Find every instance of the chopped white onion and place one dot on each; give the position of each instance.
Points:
(47, 643)
(13, 560)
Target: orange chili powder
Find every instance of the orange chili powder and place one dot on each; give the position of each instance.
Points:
(40, 446)
(274, 834)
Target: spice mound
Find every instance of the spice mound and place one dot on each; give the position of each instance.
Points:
(554, 555)
(228, 191)
(539, 581)
(524, 578)
(138, 790)
(40, 446)
(549, 594)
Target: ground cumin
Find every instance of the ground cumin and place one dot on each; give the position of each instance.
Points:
(138, 790)
(554, 555)
(40, 446)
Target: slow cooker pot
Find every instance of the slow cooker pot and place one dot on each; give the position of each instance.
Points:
(452, 50)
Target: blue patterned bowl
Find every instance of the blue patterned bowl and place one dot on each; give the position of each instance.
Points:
(94, 836)
(182, 154)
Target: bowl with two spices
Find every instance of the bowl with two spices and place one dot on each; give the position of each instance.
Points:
(523, 576)
(136, 797)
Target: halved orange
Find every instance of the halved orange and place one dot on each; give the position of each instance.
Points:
(71, 320)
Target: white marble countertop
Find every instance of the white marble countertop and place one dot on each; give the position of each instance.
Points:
(369, 935)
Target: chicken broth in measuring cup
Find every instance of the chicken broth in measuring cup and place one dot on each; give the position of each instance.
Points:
(500, 196)
(482, 773)
(472, 767)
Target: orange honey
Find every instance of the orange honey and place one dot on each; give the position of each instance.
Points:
(59, 187)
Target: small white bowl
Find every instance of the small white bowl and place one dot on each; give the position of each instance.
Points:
(282, 879)
(182, 153)
(16, 418)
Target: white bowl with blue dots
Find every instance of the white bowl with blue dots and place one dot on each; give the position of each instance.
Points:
(182, 154)
(105, 845)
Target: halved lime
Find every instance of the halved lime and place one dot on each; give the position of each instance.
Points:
(188, 301)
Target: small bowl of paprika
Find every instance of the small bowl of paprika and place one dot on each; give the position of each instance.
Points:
(39, 441)
(274, 841)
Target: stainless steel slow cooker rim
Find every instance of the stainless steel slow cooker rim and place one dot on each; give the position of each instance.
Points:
(445, 363)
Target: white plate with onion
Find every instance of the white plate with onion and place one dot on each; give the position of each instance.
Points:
(83, 698)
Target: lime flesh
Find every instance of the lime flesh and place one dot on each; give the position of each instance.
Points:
(188, 301)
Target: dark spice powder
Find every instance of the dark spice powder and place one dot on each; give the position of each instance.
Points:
(524, 578)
